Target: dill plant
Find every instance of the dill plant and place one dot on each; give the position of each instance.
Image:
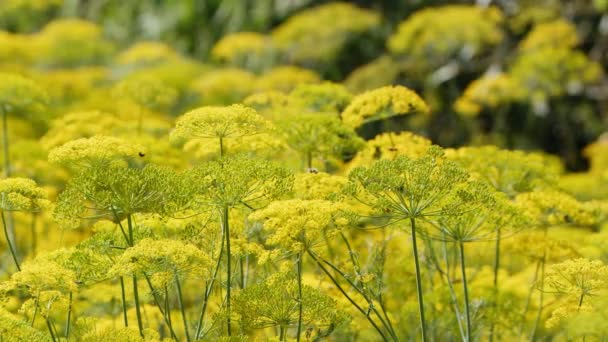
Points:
(235, 182)
(405, 189)
(106, 188)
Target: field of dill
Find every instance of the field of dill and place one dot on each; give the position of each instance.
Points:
(303, 170)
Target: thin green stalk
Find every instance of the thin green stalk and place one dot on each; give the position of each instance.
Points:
(529, 298)
(135, 289)
(228, 267)
(282, 333)
(36, 302)
(352, 301)
(9, 242)
(167, 314)
(299, 332)
(69, 319)
(199, 326)
(496, 268)
(242, 273)
(162, 312)
(451, 289)
(383, 318)
(465, 290)
(542, 287)
(180, 300)
(364, 295)
(124, 301)
(137, 308)
(541, 298)
(50, 327)
(418, 280)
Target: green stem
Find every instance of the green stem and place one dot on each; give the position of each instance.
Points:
(541, 299)
(451, 288)
(496, 268)
(181, 306)
(228, 267)
(349, 298)
(36, 303)
(137, 308)
(69, 318)
(50, 327)
(9, 242)
(5, 143)
(165, 313)
(124, 301)
(299, 332)
(529, 299)
(282, 333)
(199, 326)
(465, 290)
(418, 280)
(135, 289)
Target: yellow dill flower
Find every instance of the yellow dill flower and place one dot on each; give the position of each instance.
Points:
(536, 246)
(383, 103)
(296, 225)
(267, 101)
(250, 50)
(566, 312)
(22, 194)
(508, 171)
(147, 53)
(285, 78)
(577, 277)
(324, 97)
(263, 145)
(177, 74)
(550, 207)
(488, 92)
(221, 123)
(72, 42)
(13, 329)
(43, 275)
(548, 72)
(79, 124)
(319, 136)
(15, 48)
(19, 95)
(223, 86)
(162, 260)
(274, 303)
(554, 34)
(389, 146)
(318, 34)
(146, 91)
(432, 36)
(97, 149)
(65, 86)
(318, 186)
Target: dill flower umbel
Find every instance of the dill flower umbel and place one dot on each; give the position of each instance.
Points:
(318, 34)
(220, 123)
(434, 35)
(383, 103)
(94, 150)
(22, 194)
